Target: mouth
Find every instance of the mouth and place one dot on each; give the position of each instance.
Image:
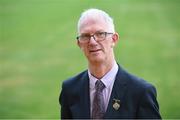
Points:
(94, 51)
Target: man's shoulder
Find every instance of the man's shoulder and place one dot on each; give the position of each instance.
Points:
(133, 80)
(75, 79)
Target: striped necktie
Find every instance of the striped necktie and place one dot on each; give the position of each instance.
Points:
(98, 108)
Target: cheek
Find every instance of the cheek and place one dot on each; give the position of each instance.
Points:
(107, 47)
(84, 49)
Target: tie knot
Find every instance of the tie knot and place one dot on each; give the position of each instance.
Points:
(99, 85)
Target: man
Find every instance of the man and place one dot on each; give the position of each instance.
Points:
(105, 90)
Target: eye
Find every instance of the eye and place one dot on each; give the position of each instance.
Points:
(85, 36)
(100, 34)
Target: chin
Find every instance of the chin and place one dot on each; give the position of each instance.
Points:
(96, 60)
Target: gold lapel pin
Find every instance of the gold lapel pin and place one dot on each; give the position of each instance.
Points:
(116, 104)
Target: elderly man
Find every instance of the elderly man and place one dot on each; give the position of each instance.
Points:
(105, 90)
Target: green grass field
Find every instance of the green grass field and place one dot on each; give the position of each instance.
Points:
(38, 50)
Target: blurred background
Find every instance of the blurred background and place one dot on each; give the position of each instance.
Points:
(38, 50)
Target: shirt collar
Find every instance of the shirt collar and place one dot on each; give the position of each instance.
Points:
(107, 79)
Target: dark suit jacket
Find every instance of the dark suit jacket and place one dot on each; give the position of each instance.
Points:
(137, 98)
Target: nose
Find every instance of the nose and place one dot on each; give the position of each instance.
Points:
(92, 40)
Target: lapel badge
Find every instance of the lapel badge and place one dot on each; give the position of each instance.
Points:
(116, 104)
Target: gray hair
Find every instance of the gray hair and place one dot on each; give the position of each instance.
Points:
(96, 14)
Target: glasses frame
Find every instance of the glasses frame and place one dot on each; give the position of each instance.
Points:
(93, 35)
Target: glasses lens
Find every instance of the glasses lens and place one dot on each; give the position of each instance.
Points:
(100, 36)
(84, 38)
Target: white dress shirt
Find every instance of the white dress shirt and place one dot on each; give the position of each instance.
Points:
(108, 80)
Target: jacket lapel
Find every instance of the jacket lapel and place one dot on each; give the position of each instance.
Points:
(84, 104)
(80, 108)
(118, 91)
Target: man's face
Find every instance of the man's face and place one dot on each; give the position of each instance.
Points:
(93, 50)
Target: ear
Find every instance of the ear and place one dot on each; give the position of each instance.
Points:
(79, 44)
(115, 38)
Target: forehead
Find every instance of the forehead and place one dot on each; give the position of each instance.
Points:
(92, 25)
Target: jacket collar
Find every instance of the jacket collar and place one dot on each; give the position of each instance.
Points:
(118, 92)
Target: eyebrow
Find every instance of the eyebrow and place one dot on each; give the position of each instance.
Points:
(93, 33)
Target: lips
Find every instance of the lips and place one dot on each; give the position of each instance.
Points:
(97, 50)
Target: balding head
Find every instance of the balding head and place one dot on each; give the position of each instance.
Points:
(94, 15)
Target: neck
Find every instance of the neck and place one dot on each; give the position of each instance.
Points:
(98, 70)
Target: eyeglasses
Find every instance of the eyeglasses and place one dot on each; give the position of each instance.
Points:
(98, 36)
